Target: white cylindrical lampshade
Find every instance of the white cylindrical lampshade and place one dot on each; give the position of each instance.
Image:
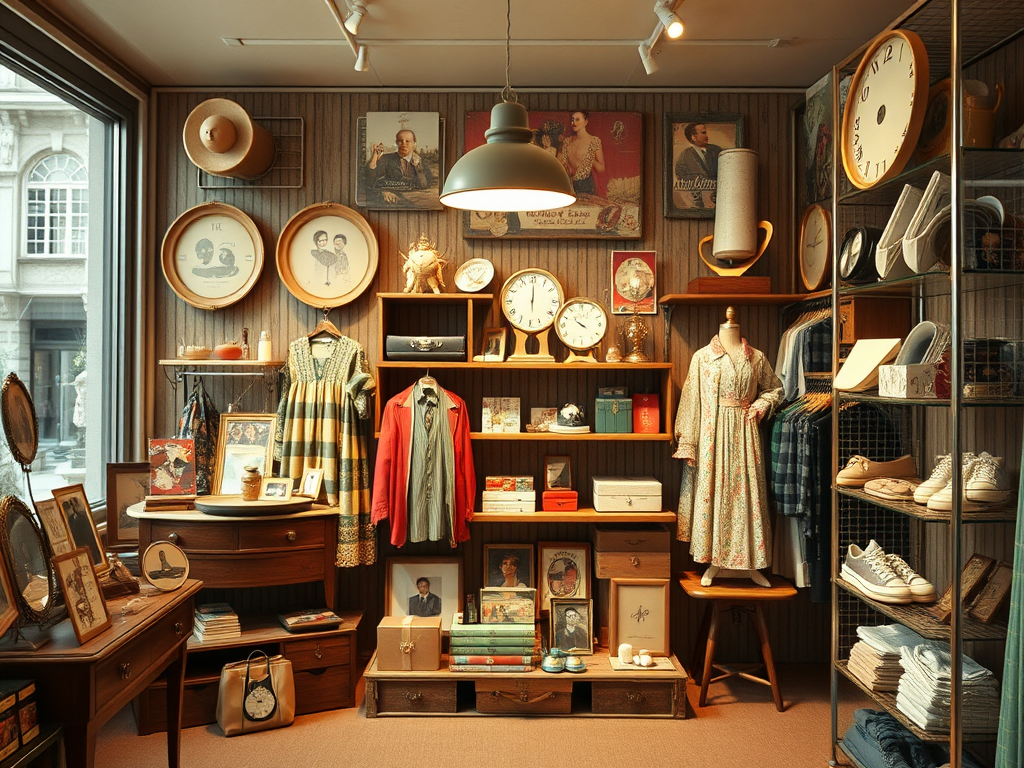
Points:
(736, 206)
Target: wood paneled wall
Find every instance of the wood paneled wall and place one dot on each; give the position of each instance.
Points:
(801, 629)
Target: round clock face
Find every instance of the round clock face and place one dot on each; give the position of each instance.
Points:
(530, 299)
(885, 108)
(857, 255)
(815, 247)
(581, 324)
(260, 702)
(851, 253)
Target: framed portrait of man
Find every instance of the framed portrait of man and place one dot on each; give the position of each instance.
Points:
(572, 625)
(424, 586)
(400, 161)
(81, 526)
(693, 143)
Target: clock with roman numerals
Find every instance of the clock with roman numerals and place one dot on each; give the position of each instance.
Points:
(581, 325)
(885, 108)
(530, 299)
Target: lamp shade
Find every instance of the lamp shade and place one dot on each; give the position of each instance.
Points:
(508, 173)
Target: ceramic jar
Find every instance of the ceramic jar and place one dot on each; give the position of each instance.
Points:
(251, 480)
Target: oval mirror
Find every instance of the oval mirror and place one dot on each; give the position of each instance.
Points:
(26, 554)
(18, 414)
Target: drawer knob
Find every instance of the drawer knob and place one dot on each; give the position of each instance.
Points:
(634, 697)
(178, 626)
(291, 535)
(634, 561)
(173, 538)
(124, 670)
(414, 696)
(317, 652)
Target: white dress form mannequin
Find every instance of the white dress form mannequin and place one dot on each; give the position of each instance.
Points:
(729, 336)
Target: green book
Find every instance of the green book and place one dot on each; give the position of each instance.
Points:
(488, 646)
(490, 668)
(490, 630)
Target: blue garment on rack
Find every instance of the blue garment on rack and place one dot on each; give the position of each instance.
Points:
(878, 740)
(1010, 743)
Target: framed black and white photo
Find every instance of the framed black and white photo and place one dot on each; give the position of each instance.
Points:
(276, 489)
(424, 586)
(127, 484)
(692, 144)
(557, 473)
(55, 526)
(400, 161)
(164, 565)
(572, 625)
(309, 485)
(82, 594)
(81, 525)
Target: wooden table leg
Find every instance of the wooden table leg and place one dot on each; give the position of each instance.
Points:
(175, 693)
(709, 653)
(766, 653)
(80, 745)
(702, 638)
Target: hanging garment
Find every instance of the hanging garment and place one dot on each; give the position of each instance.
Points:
(323, 423)
(404, 464)
(200, 421)
(1010, 743)
(723, 504)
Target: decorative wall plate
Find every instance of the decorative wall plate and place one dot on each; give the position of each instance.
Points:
(164, 565)
(212, 255)
(474, 275)
(327, 255)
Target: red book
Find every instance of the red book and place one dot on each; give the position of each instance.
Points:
(646, 414)
(490, 660)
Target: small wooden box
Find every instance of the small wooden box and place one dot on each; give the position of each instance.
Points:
(434, 696)
(861, 317)
(524, 695)
(626, 494)
(632, 565)
(423, 634)
(560, 501)
(613, 415)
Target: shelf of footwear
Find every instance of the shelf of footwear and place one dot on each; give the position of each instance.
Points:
(993, 513)
(918, 618)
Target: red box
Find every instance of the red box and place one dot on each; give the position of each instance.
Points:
(646, 414)
(560, 501)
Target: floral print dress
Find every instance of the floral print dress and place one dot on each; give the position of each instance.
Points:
(723, 502)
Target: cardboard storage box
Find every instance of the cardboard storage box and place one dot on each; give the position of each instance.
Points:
(627, 494)
(906, 380)
(613, 415)
(409, 643)
(560, 501)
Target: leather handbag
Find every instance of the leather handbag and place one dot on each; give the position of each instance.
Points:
(256, 694)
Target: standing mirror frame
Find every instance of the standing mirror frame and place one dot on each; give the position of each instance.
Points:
(27, 559)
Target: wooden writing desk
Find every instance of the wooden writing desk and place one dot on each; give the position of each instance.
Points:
(83, 686)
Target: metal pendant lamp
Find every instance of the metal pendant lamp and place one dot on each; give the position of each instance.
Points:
(509, 172)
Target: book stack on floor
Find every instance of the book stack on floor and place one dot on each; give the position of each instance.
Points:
(492, 647)
(875, 658)
(170, 502)
(215, 621)
(509, 494)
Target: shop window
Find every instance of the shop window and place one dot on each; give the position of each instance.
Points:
(58, 207)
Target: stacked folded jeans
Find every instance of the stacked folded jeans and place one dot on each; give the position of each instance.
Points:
(878, 740)
(875, 657)
(924, 690)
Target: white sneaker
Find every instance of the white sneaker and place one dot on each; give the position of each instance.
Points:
(940, 477)
(868, 571)
(988, 481)
(942, 501)
(921, 590)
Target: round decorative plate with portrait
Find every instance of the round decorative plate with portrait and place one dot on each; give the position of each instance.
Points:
(212, 255)
(327, 255)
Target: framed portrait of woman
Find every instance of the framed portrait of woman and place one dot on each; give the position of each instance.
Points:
(563, 570)
(508, 565)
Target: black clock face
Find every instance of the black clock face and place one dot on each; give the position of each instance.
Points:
(857, 255)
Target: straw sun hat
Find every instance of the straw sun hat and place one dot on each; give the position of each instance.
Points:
(223, 140)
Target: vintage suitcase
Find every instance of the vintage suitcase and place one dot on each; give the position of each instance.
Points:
(524, 696)
(414, 695)
(613, 415)
(560, 501)
(409, 643)
(623, 551)
(627, 494)
(646, 414)
(425, 347)
(630, 697)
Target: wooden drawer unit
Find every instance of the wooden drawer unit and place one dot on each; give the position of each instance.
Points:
(210, 537)
(861, 317)
(198, 705)
(325, 688)
(547, 695)
(632, 565)
(319, 652)
(117, 673)
(632, 697)
(282, 534)
(413, 695)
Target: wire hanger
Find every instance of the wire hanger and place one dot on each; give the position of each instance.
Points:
(325, 326)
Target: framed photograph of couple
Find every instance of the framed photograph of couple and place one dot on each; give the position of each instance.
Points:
(400, 157)
(244, 439)
(693, 143)
(601, 152)
(424, 586)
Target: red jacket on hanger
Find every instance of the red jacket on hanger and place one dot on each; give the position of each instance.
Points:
(391, 473)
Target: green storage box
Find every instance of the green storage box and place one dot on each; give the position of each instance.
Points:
(614, 415)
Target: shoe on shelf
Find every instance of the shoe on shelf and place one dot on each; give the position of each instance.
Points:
(893, 489)
(921, 590)
(988, 480)
(868, 571)
(860, 469)
(940, 476)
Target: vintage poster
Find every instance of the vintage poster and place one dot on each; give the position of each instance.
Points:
(818, 140)
(400, 161)
(693, 143)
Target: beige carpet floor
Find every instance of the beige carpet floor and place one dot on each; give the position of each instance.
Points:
(739, 728)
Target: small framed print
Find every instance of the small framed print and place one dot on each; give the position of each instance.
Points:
(164, 565)
(212, 255)
(508, 565)
(80, 523)
(82, 594)
(244, 439)
(424, 586)
(327, 255)
(572, 625)
(557, 473)
(634, 282)
(563, 570)
(310, 484)
(693, 143)
(400, 162)
(494, 345)
(54, 525)
(127, 484)
(638, 614)
(508, 605)
(276, 489)
(172, 466)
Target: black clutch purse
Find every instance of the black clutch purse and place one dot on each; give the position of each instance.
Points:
(425, 347)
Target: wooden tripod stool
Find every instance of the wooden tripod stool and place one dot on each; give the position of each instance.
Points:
(729, 595)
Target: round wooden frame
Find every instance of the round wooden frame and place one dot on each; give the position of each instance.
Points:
(530, 271)
(9, 507)
(288, 246)
(812, 211)
(580, 300)
(18, 414)
(918, 111)
(182, 228)
(152, 553)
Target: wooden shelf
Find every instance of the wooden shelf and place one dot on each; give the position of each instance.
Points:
(968, 402)
(437, 298)
(588, 436)
(740, 299)
(213, 362)
(580, 516)
(505, 366)
(998, 513)
(257, 630)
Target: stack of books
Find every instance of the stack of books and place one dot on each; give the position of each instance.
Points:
(170, 502)
(509, 494)
(313, 619)
(492, 647)
(215, 621)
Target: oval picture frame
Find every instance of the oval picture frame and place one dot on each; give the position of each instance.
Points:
(327, 273)
(212, 255)
(29, 567)
(18, 414)
(164, 565)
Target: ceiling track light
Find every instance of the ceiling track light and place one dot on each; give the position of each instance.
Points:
(647, 58)
(363, 59)
(355, 18)
(361, 51)
(673, 24)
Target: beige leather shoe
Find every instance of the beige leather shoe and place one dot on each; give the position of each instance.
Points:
(891, 488)
(860, 469)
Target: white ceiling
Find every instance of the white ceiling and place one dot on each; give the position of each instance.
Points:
(564, 44)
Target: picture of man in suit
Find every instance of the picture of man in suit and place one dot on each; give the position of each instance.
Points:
(426, 603)
(80, 525)
(400, 171)
(697, 168)
(571, 632)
